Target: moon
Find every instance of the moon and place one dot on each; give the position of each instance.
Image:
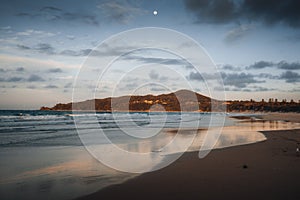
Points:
(155, 12)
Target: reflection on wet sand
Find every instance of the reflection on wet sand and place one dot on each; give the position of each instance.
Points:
(74, 173)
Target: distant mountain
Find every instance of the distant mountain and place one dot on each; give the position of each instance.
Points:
(182, 100)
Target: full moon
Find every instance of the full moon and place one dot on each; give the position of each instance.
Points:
(155, 12)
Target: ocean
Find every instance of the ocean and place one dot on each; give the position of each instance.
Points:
(43, 156)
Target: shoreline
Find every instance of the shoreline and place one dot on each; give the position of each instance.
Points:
(265, 170)
(268, 169)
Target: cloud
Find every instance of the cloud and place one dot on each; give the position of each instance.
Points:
(260, 65)
(41, 48)
(153, 75)
(239, 80)
(46, 48)
(237, 33)
(68, 85)
(195, 76)
(261, 89)
(120, 12)
(279, 65)
(82, 52)
(5, 28)
(14, 79)
(249, 89)
(165, 61)
(212, 11)
(130, 86)
(31, 87)
(202, 77)
(81, 17)
(71, 37)
(158, 89)
(55, 70)
(290, 77)
(227, 11)
(50, 8)
(52, 13)
(51, 86)
(20, 69)
(286, 12)
(289, 66)
(23, 47)
(230, 68)
(35, 33)
(31, 78)
(35, 78)
(266, 75)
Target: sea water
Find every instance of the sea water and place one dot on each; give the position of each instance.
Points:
(43, 157)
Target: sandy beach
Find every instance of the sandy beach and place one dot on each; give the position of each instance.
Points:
(265, 170)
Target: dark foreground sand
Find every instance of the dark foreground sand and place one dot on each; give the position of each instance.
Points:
(265, 170)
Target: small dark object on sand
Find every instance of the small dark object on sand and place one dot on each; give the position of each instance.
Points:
(245, 166)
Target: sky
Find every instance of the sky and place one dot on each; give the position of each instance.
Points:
(44, 45)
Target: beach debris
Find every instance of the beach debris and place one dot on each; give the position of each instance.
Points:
(245, 166)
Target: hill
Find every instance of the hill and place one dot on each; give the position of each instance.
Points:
(182, 100)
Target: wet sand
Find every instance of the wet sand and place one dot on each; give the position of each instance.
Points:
(265, 170)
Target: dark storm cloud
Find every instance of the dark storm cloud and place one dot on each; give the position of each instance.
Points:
(212, 11)
(290, 77)
(265, 11)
